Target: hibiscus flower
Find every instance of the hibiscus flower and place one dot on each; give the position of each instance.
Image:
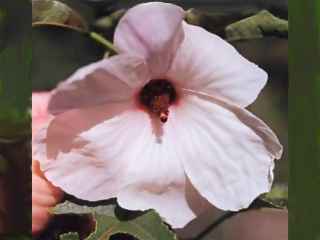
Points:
(162, 125)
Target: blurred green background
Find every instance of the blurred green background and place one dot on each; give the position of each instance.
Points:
(15, 120)
(304, 119)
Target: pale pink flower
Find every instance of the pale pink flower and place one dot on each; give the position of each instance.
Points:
(163, 124)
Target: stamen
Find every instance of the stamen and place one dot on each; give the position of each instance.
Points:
(157, 96)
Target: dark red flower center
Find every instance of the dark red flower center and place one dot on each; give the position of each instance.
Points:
(157, 96)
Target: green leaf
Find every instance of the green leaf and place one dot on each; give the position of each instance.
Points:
(86, 12)
(58, 52)
(216, 21)
(50, 11)
(146, 227)
(69, 236)
(278, 196)
(111, 220)
(15, 68)
(257, 26)
(107, 24)
(56, 12)
(68, 207)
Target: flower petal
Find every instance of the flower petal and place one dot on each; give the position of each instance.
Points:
(157, 178)
(74, 147)
(109, 80)
(172, 196)
(229, 152)
(131, 156)
(208, 64)
(152, 31)
(40, 115)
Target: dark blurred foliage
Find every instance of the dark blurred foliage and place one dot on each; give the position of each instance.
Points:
(15, 184)
(278, 7)
(68, 223)
(253, 224)
(61, 59)
(15, 130)
(15, 61)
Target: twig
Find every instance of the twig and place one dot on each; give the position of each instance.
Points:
(103, 41)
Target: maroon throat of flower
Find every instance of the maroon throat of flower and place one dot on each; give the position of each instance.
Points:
(157, 96)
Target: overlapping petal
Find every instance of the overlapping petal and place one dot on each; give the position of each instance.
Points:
(152, 31)
(84, 154)
(129, 155)
(208, 64)
(110, 80)
(229, 152)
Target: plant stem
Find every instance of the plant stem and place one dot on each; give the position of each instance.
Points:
(215, 224)
(106, 43)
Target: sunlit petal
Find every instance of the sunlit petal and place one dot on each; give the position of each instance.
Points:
(208, 64)
(152, 31)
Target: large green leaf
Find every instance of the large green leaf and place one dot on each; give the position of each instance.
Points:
(216, 22)
(58, 52)
(257, 26)
(56, 12)
(111, 220)
(79, 6)
(15, 66)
